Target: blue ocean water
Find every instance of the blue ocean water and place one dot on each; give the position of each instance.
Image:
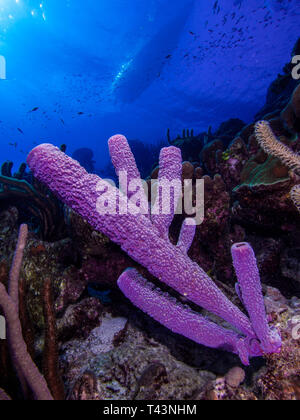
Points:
(78, 72)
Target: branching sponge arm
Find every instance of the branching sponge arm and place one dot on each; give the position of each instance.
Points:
(169, 176)
(179, 318)
(187, 235)
(126, 169)
(244, 262)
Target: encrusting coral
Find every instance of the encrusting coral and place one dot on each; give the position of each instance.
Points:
(144, 237)
(274, 147)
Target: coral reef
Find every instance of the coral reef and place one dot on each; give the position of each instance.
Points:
(271, 145)
(35, 203)
(189, 144)
(279, 378)
(228, 130)
(166, 366)
(85, 336)
(192, 146)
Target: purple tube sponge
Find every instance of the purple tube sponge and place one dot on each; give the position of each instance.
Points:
(250, 290)
(144, 237)
(135, 233)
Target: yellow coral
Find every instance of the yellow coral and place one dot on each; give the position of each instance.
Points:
(268, 141)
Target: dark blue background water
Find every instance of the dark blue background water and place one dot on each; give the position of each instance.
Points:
(137, 67)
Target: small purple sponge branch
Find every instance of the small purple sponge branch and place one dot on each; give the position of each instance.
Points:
(247, 273)
(124, 163)
(146, 241)
(170, 171)
(187, 235)
(122, 157)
